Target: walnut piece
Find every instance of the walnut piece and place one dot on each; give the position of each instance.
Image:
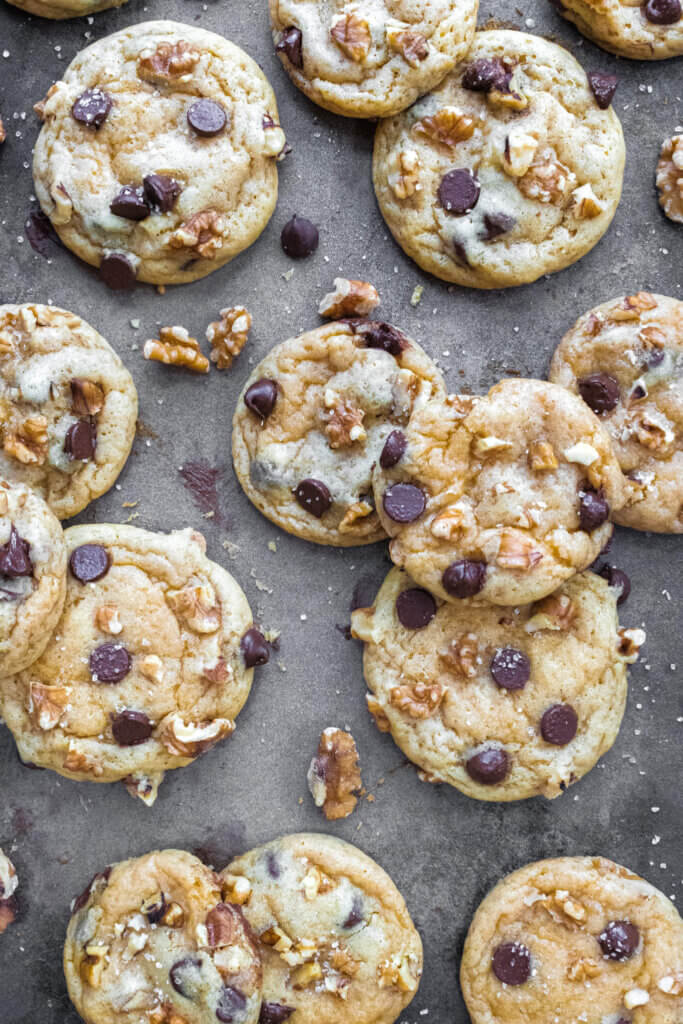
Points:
(520, 149)
(78, 761)
(654, 431)
(405, 182)
(334, 775)
(557, 612)
(196, 605)
(349, 298)
(342, 961)
(224, 924)
(46, 704)
(194, 739)
(671, 984)
(8, 877)
(542, 456)
(352, 35)
(220, 672)
(107, 619)
(143, 786)
(355, 517)
(397, 972)
(87, 398)
(345, 424)
(412, 45)
(563, 908)
(152, 667)
(3, 133)
(378, 713)
(236, 889)
(630, 307)
(583, 969)
(419, 700)
(670, 178)
(203, 232)
(228, 336)
(28, 444)
(517, 551)
(168, 62)
(165, 1014)
(447, 127)
(92, 964)
(585, 203)
(547, 180)
(306, 975)
(630, 642)
(175, 347)
(449, 522)
(461, 655)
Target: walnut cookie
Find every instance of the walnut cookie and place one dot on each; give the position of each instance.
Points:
(313, 418)
(652, 30)
(59, 9)
(502, 703)
(68, 406)
(370, 59)
(508, 171)
(574, 939)
(151, 941)
(336, 938)
(500, 497)
(625, 359)
(157, 158)
(148, 667)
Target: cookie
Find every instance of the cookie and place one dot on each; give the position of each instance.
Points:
(625, 359)
(151, 941)
(501, 497)
(574, 939)
(643, 31)
(59, 9)
(669, 178)
(370, 59)
(502, 703)
(316, 414)
(148, 666)
(69, 407)
(508, 171)
(157, 156)
(32, 576)
(336, 939)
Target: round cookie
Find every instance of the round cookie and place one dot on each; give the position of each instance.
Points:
(59, 9)
(32, 576)
(156, 160)
(625, 358)
(148, 666)
(68, 404)
(508, 171)
(501, 497)
(336, 938)
(371, 59)
(574, 939)
(151, 941)
(643, 31)
(316, 414)
(502, 703)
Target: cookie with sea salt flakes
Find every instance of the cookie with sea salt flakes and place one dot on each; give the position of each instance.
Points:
(59, 9)
(504, 703)
(314, 417)
(148, 666)
(574, 939)
(652, 30)
(197, 184)
(625, 359)
(512, 168)
(335, 936)
(151, 941)
(374, 58)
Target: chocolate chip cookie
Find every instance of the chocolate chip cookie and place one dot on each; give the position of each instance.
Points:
(157, 158)
(335, 937)
(68, 405)
(151, 940)
(502, 703)
(501, 497)
(509, 170)
(316, 414)
(59, 9)
(574, 939)
(643, 31)
(625, 359)
(148, 666)
(370, 59)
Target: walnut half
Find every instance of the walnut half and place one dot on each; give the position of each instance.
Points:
(349, 298)
(420, 700)
(175, 347)
(228, 336)
(670, 178)
(334, 775)
(168, 63)
(352, 35)
(203, 232)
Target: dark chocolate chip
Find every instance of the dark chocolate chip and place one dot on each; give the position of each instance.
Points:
(272, 864)
(184, 975)
(231, 1005)
(89, 562)
(662, 12)
(619, 940)
(511, 963)
(415, 608)
(299, 238)
(131, 728)
(207, 118)
(109, 663)
(616, 578)
(496, 224)
(460, 253)
(394, 449)
(82, 898)
(15, 559)
(378, 334)
(91, 108)
(275, 1013)
(260, 397)
(603, 86)
(655, 358)
(117, 272)
(459, 191)
(40, 233)
(356, 914)
(291, 45)
(638, 393)
(80, 442)
(464, 578)
(593, 510)
(510, 668)
(313, 496)
(154, 908)
(404, 503)
(488, 767)
(559, 724)
(599, 391)
(486, 74)
(161, 192)
(254, 647)
(130, 203)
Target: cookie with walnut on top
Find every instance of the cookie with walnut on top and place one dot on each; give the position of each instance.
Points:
(652, 30)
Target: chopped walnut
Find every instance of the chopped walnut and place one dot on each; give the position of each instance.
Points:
(224, 924)
(636, 997)
(517, 551)
(46, 704)
(542, 456)
(670, 178)
(630, 307)
(87, 398)
(652, 337)
(3, 133)
(563, 908)
(175, 347)
(449, 522)
(306, 975)
(345, 425)
(334, 775)
(378, 713)
(39, 107)
(92, 964)
(512, 98)
(461, 655)
(405, 182)
(144, 787)
(585, 203)
(236, 889)
(547, 180)
(352, 35)
(28, 444)
(315, 882)
(169, 61)
(671, 984)
(397, 972)
(196, 606)
(355, 517)
(488, 444)
(78, 761)
(654, 431)
(630, 642)
(349, 298)
(204, 232)
(447, 127)
(192, 740)
(420, 700)
(166, 1014)
(152, 667)
(107, 619)
(8, 877)
(583, 969)
(557, 612)
(520, 149)
(220, 672)
(342, 961)
(412, 45)
(228, 336)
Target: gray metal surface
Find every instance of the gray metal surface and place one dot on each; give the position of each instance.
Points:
(443, 850)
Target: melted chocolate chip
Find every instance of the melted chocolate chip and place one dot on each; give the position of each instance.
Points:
(160, 192)
(184, 976)
(662, 12)
(89, 562)
(155, 908)
(415, 608)
(394, 449)
(599, 391)
(488, 767)
(404, 503)
(82, 898)
(40, 233)
(464, 578)
(616, 578)
(260, 397)
(291, 45)
(459, 191)
(486, 74)
(460, 253)
(272, 864)
(92, 108)
(313, 496)
(15, 559)
(254, 648)
(559, 724)
(496, 224)
(207, 118)
(274, 1013)
(603, 87)
(129, 203)
(117, 272)
(231, 1005)
(511, 963)
(109, 663)
(510, 668)
(131, 728)
(299, 238)
(593, 510)
(619, 940)
(356, 914)
(80, 442)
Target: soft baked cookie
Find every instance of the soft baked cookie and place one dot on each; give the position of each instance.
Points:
(508, 171)
(669, 178)
(502, 497)
(625, 359)
(32, 576)
(502, 703)
(316, 414)
(58, 9)
(336, 939)
(151, 941)
(574, 939)
(148, 666)
(643, 31)
(156, 160)
(370, 59)
(68, 405)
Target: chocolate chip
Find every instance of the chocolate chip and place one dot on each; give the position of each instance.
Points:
(291, 45)
(82, 899)
(129, 203)
(117, 272)
(415, 608)
(404, 503)
(662, 12)
(160, 192)
(260, 397)
(486, 74)
(459, 191)
(460, 253)
(593, 510)
(89, 562)
(40, 233)
(274, 1013)
(599, 391)
(299, 238)
(619, 940)
(154, 908)
(272, 864)
(131, 728)
(80, 441)
(109, 663)
(511, 963)
(378, 334)
(14, 556)
(207, 118)
(356, 914)
(616, 578)
(464, 578)
(496, 224)
(231, 1004)
(313, 496)
(510, 668)
(91, 108)
(603, 87)
(559, 724)
(488, 767)
(394, 449)
(254, 647)
(184, 975)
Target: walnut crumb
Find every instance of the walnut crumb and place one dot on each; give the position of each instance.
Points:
(175, 347)
(334, 776)
(349, 298)
(228, 336)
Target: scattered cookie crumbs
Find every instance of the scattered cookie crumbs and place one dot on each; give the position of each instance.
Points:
(129, 504)
(349, 298)
(8, 886)
(416, 297)
(334, 775)
(272, 546)
(232, 549)
(175, 347)
(228, 336)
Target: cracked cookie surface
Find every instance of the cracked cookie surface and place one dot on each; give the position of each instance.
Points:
(642, 31)
(507, 171)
